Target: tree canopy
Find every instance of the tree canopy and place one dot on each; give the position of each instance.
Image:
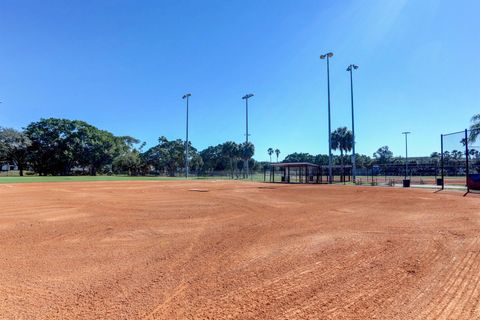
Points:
(58, 145)
(383, 155)
(342, 139)
(475, 127)
(63, 147)
(169, 155)
(14, 147)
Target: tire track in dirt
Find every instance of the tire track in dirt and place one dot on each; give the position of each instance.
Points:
(374, 291)
(408, 301)
(457, 308)
(473, 300)
(458, 286)
(365, 290)
(197, 255)
(179, 290)
(298, 282)
(452, 278)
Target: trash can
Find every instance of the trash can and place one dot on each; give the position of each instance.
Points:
(439, 181)
(406, 183)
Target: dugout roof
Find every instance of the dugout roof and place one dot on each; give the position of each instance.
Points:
(294, 164)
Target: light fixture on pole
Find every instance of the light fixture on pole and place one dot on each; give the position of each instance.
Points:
(186, 96)
(328, 56)
(246, 97)
(354, 166)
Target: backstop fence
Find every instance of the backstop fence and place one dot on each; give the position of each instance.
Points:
(393, 174)
(460, 160)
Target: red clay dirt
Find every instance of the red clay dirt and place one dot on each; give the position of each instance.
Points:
(236, 250)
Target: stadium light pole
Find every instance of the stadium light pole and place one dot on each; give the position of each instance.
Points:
(354, 166)
(328, 56)
(186, 96)
(406, 133)
(246, 97)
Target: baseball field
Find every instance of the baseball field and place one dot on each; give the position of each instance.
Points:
(236, 250)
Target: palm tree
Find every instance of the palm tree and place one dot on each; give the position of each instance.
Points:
(475, 154)
(231, 150)
(277, 153)
(475, 127)
(457, 155)
(247, 150)
(342, 139)
(383, 156)
(457, 158)
(270, 152)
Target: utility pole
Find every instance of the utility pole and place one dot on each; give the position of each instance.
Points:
(354, 166)
(186, 96)
(328, 56)
(246, 97)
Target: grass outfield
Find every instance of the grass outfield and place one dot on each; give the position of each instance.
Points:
(30, 179)
(258, 177)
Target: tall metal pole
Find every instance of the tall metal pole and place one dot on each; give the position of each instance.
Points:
(246, 120)
(406, 156)
(186, 96)
(354, 166)
(246, 97)
(406, 153)
(246, 134)
(328, 56)
(186, 146)
(329, 125)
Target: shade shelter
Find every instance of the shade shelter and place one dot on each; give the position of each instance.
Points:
(295, 172)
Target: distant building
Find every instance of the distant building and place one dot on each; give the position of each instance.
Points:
(8, 167)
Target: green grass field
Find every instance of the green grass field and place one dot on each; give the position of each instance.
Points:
(255, 177)
(30, 179)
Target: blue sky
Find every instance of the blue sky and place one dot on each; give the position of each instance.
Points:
(124, 66)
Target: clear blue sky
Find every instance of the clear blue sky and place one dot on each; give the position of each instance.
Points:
(124, 66)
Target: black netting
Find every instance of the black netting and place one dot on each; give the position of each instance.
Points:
(474, 151)
(461, 159)
(454, 158)
(473, 147)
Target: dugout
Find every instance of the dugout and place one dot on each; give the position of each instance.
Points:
(295, 172)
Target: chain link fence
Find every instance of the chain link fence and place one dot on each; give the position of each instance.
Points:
(460, 160)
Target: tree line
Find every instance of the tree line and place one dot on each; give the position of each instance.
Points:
(342, 140)
(65, 147)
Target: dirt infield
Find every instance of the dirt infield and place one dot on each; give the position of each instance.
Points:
(226, 250)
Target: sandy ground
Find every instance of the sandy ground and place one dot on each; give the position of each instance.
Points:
(226, 250)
